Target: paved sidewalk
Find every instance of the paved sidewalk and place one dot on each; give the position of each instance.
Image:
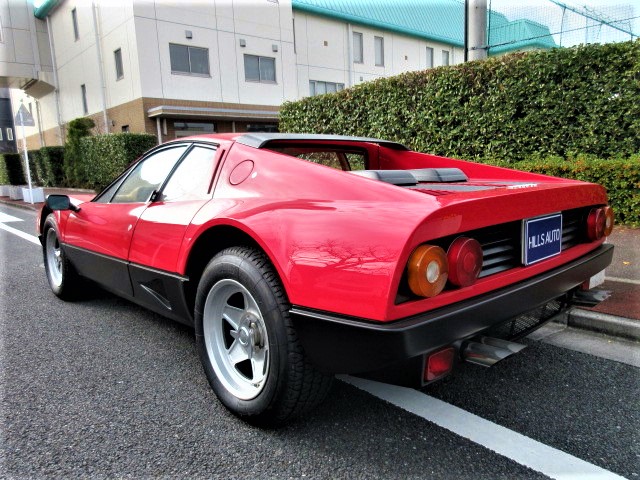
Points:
(619, 315)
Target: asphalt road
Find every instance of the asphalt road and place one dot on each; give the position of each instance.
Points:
(101, 388)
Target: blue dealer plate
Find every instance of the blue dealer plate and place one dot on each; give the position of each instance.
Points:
(541, 238)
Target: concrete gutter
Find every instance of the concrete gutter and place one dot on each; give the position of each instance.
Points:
(604, 323)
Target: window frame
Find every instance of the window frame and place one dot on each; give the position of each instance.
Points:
(380, 40)
(117, 183)
(10, 134)
(313, 84)
(429, 59)
(190, 72)
(446, 58)
(74, 21)
(360, 52)
(260, 80)
(85, 104)
(183, 158)
(117, 58)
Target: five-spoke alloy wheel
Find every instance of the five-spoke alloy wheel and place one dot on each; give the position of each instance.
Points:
(60, 273)
(236, 339)
(247, 344)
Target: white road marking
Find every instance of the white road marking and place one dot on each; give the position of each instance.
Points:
(623, 280)
(6, 218)
(515, 446)
(20, 233)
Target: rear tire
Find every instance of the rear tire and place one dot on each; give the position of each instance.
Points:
(248, 347)
(62, 278)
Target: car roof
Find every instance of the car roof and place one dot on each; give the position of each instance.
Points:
(262, 140)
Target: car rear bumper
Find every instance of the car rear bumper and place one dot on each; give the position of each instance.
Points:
(351, 345)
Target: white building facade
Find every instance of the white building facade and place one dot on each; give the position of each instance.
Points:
(178, 68)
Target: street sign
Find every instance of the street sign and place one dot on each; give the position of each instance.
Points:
(24, 117)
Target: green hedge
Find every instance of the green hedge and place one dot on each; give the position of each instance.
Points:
(12, 169)
(560, 102)
(103, 157)
(34, 167)
(51, 161)
(621, 178)
(4, 175)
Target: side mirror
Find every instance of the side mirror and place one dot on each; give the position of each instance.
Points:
(60, 202)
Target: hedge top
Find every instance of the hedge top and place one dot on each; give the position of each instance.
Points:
(565, 101)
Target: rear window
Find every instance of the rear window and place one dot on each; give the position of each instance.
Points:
(346, 159)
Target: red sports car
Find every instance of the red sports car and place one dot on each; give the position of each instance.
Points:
(296, 257)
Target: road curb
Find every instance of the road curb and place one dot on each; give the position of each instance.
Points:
(22, 205)
(604, 323)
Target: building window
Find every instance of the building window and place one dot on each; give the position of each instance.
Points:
(445, 57)
(187, 128)
(318, 88)
(379, 46)
(429, 57)
(259, 69)
(9, 134)
(125, 129)
(85, 107)
(357, 48)
(1, 34)
(74, 20)
(117, 57)
(262, 127)
(190, 60)
(1, 137)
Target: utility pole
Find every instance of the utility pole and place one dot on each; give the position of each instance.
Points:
(475, 30)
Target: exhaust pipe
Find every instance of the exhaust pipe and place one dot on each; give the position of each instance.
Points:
(487, 351)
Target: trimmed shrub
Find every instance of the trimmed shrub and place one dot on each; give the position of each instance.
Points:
(13, 168)
(559, 102)
(51, 160)
(4, 176)
(34, 167)
(78, 128)
(104, 157)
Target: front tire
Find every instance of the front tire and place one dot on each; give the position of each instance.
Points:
(62, 278)
(247, 344)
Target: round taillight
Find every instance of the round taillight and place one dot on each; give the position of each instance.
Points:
(596, 222)
(608, 221)
(428, 270)
(465, 261)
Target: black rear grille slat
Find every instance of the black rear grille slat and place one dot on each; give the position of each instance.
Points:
(502, 248)
(489, 251)
(502, 244)
(491, 261)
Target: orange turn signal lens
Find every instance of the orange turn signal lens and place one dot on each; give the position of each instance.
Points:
(608, 221)
(428, 270)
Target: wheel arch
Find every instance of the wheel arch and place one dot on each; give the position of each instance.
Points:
(44, 213)
(208, 244)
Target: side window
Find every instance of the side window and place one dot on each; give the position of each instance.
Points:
(192, 178)
(147, 176)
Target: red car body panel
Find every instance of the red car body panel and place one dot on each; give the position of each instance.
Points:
(340, 234)
(339, 242)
